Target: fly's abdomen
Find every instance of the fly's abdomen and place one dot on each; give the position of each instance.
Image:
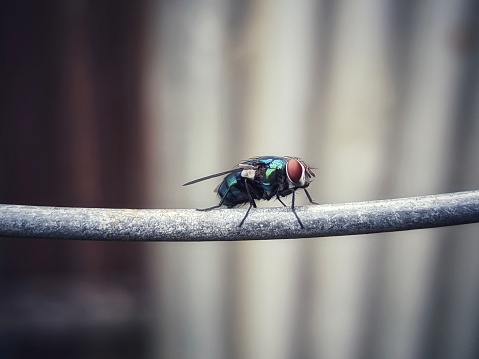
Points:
(233, 190)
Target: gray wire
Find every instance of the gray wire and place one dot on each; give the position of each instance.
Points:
(186, 225)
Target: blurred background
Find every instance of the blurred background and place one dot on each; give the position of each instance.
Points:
(118, 103)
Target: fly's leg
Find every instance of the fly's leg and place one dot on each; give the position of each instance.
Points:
(217, 206)
(252, 203)
(251, 199)
(279, 199)
(246, 215)
(309, 197)
(209, 208)
(294, 211)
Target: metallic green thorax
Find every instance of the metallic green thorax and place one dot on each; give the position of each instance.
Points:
(275, 168)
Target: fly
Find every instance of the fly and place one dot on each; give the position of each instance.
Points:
(260, 178)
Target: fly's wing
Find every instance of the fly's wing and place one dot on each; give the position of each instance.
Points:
(240, 168)
(212, 176)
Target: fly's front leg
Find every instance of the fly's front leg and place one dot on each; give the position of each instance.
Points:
(309, 197)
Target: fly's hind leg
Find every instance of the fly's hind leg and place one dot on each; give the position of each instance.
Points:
(209, 208)
(250, 197)
(252, 203)
(246, 215)
(217, 206)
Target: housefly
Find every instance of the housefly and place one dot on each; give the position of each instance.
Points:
(260, 178)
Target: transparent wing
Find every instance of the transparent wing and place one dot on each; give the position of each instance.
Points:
(213, 176)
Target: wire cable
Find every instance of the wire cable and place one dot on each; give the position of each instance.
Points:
(188, 225)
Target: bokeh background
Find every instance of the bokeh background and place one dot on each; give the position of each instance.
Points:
(117, 103)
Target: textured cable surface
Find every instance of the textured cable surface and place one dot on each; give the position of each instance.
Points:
(187, 225)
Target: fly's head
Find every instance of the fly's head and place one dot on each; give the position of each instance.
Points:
(300, 175)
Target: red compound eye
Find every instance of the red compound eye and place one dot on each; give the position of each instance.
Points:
(294, 170)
